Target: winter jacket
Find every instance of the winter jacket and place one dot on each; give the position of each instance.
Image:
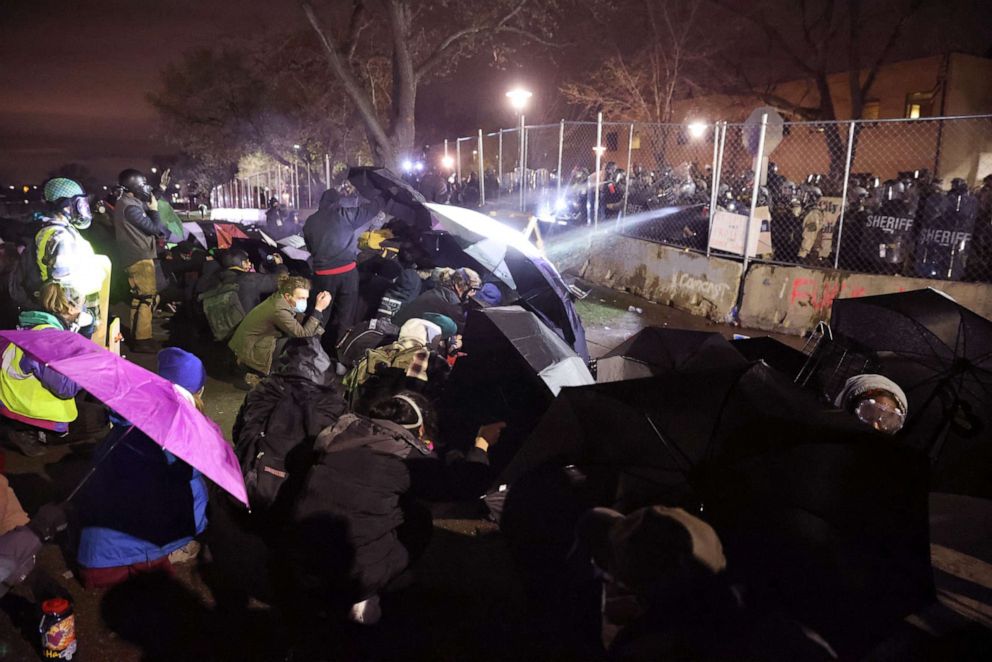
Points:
(356, 498)
(441, 300)
(141, 505)
(136, 229)
(331, 233)
(254, 341)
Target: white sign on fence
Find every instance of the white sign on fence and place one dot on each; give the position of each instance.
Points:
(730, 229)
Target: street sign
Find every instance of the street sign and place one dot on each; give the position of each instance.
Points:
(752, 130)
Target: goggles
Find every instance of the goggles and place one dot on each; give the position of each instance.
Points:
(879, 415)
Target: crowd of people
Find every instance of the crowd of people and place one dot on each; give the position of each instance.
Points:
(339, 436)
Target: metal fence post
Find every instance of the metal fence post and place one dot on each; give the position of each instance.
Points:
(327, 170)
(599, 159)
(755, 189)
(561, 146)
(499, 167)
(630, 156)
(309, 185)
(445, 148)
(482, 173)
(719, 143)
(522, 159)
(843, 194)
(458, 160)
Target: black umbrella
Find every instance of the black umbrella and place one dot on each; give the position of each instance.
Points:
(654, 350)
(842, 512)
(940, 353)
(402, 200)
(773, 352)
(451, 237)
(513, 367)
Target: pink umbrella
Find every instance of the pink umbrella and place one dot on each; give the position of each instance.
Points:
(143, 398)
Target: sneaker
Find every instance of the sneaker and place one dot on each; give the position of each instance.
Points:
(187, 552)
(366, 612)
(31, 443)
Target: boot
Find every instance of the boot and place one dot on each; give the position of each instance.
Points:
(31, 443)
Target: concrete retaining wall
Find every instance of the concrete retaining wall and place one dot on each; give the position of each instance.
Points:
(794, 299)
(687, 281)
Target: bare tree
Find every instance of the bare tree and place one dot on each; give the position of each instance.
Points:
(408, 42)
(811, 39)
(642, 85)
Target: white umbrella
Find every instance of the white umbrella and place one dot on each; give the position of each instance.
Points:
(483, 238)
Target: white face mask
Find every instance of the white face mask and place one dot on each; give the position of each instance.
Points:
(301, 305)
(83, 321)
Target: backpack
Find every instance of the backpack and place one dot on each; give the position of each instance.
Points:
(223, 310)
(363, 337)
(274, 436)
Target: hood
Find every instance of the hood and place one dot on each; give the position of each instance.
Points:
(419, 330)
(32, 318)
(329, 198)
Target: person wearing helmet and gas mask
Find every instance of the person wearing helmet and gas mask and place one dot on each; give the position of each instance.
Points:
(137, 227)
(59, 253)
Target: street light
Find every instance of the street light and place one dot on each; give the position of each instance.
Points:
(447, 163)
(697, 129)
(154, 170)
(518, 97)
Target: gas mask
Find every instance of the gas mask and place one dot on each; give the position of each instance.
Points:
(79, 212)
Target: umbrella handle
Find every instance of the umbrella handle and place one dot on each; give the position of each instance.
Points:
(95, 466)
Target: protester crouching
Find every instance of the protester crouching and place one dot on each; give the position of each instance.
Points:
(144, 506)
(264, 330)
(239, 289)
(876, 401)
(449, 297)
(36, 401)
(356, 521)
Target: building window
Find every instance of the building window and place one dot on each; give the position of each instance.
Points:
(612, 141)
(870, 110)
(919, 104)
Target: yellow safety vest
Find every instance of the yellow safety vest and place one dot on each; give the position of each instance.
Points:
(23, 394)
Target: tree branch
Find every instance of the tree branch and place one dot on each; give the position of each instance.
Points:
(353, 88)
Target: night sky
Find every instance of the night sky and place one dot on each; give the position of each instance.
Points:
(74, 75)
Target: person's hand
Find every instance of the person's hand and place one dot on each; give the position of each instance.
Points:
(323, 301)
(488, 435)
(166, 178)
(276, 258)
(153, 204)
(455, 344)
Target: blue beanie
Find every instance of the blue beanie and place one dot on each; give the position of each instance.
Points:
(182, 368)
(489, 294)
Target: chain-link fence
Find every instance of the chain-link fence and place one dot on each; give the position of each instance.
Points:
(907, 197)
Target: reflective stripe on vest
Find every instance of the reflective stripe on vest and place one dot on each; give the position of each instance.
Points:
(41, 241)
(22, 393)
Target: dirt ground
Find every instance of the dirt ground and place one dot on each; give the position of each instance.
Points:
(463, 599)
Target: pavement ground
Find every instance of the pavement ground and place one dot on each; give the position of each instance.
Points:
(465, 601)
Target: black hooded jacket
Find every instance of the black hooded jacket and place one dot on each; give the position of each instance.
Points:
(331, 233)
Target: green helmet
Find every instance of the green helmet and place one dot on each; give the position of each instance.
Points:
(67, 196)
(60, 187)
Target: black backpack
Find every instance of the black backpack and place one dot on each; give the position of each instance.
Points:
(274, 436)
(365, 336)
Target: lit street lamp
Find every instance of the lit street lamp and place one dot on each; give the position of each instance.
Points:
(697, 129)
(519, 97)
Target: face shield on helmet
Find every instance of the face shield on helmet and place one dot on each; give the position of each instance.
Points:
(79, 212)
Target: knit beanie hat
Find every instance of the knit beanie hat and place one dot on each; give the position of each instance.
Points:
(182, 368)
(860, 384)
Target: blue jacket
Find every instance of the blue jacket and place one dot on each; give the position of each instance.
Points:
(141, 504)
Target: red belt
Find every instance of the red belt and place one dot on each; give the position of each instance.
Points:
(336, 270)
